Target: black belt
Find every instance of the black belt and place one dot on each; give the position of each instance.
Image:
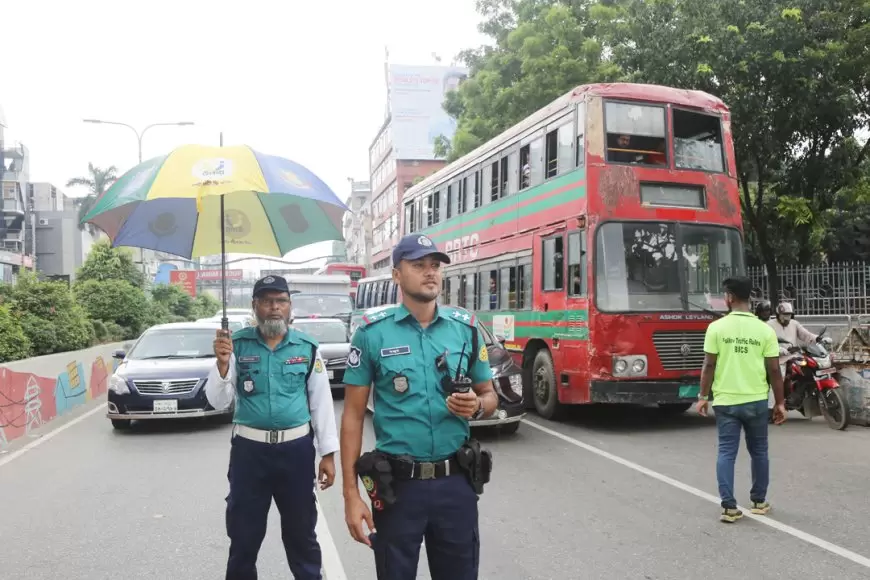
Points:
(424, 469)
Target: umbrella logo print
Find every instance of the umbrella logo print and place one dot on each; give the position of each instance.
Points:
(212, 170)
(163, 225)
(294, 180)
(236, 224)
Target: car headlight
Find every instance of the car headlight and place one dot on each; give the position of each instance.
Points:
(634, 365)
(516, 381)
(118, 385)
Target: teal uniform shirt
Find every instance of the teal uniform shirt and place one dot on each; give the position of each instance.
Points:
(276, 396)
(392, 352)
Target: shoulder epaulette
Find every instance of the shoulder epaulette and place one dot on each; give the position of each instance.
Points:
(462, 315)
(369, 319)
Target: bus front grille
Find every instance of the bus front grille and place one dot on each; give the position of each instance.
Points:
(680, 351)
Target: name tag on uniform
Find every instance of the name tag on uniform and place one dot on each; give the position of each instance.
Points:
(296, 360)
(396, 350)
(249, 359)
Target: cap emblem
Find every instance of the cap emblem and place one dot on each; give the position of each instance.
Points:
(268, 280)
(424, 241)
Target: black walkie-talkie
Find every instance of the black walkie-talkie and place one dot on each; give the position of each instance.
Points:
(461, 384)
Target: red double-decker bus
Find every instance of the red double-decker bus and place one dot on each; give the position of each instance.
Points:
(355, 272)
(594, 237)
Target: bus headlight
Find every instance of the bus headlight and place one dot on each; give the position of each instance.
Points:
(634, 365)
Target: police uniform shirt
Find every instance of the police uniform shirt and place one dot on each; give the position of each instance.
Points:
(270, 389)
(394, 353)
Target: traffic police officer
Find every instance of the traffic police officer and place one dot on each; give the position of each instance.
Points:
(275, 375)
(417, 421)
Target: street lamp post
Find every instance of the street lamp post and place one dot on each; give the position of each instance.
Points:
(139, 135)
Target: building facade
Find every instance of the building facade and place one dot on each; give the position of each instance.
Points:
(357, 224)
(403, 152)
(16, 218)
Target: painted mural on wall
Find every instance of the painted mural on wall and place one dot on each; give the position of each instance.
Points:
(28, 401)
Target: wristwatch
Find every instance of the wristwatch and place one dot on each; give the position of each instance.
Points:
(703, 397)
(480, 410)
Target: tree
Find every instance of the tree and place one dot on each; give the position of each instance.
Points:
(114, 301)
(14, 344)
(794, 75)
(542, 50)
(97, 182)
(206, 306)
(107, 263)
(49, 316)
(177, 301)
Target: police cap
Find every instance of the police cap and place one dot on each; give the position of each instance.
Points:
(416, 246)
(270, 284)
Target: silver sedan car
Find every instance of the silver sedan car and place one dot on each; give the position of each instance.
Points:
(334, 339)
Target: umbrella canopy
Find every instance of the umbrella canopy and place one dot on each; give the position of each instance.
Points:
(173, 204)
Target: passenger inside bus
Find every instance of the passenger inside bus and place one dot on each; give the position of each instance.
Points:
(635, 149)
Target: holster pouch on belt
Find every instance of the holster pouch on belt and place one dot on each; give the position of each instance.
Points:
(376, 473)
(476, 463)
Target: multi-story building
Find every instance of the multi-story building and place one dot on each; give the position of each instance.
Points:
(14, 175)
(403, 151)
(357, 224)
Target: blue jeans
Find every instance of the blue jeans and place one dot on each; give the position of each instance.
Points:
(752, 417)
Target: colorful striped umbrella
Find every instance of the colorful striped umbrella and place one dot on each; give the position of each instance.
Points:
(176, 204)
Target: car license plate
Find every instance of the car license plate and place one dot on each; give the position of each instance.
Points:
(166, 406)
(689, 391)
(331, 374)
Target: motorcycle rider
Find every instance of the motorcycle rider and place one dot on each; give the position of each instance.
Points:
(792, 332)
(763, 310)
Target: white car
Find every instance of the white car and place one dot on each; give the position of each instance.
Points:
(334, 340)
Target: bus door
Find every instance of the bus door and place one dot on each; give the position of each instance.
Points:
(550, 282)
(575, 342)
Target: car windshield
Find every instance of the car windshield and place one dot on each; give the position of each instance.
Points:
(665, 266)
(174, 343)
(325, 306)
(324, 332)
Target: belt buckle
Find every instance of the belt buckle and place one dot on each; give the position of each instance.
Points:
(273, 436)
(427, 471)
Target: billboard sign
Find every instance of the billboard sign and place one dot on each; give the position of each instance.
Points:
(210, 275)
(416, 97)
(186, 279)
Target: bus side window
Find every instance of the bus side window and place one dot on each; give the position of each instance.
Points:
(360, 295)
(375, 295)
(394, 293)
(524, 286)
(553, 264)
(445, 290)
(509, 288)
(489, 290)
(577, 264)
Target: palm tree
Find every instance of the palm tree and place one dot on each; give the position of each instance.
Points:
(97, 182)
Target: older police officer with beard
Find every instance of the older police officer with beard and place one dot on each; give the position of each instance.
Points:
(276, 377)
(410, 355)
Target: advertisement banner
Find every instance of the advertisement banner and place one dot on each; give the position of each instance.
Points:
(216, 274)
(416, 97)
(186, 279)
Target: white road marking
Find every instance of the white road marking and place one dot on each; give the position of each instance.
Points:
(332, 566)
(766, 520)
(51, 434)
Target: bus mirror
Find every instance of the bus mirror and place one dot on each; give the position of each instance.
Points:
(501, 340)
(581, 222)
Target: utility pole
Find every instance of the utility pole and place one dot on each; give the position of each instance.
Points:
(139, 135)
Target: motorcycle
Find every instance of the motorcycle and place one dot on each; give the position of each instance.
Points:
(810, 385)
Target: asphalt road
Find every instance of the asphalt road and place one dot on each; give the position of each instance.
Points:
(608, 493)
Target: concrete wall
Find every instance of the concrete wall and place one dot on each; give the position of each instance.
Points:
(37, 390)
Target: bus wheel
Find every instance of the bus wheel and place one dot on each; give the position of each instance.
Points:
(544, 386)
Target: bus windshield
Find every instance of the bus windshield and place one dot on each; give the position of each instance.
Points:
(326, 306)
(664, 266)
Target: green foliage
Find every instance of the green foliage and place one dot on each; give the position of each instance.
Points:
(114, 301)
(176, 300)
(101, 333)
(206, 306)
(41, 305)
(97, 183)
(14, 343)
(107, 263)
(794, 74)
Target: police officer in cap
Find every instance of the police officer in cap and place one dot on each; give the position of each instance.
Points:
(276, 377)
(406, 353)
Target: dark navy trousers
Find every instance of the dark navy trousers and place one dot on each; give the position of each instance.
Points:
(442, 511)
(259, 472)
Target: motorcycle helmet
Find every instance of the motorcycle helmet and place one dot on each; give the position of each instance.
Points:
(784, 310)
(763, 310)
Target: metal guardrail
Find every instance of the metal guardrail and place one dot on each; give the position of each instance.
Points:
(825, 289)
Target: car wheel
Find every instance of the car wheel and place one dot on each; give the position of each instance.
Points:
(509, 428)
(121, 424)
(337, 393)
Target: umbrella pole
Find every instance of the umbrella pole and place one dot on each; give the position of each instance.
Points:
(225, 323)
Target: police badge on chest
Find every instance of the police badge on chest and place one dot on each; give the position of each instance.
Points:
(400, 383)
